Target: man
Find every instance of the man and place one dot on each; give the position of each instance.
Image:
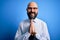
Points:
(32, 28)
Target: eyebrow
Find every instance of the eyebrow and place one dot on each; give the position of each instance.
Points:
(32, 7)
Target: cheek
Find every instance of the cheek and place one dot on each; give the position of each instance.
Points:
(36, 11)
(28, 10)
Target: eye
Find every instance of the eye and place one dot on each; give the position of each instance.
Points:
(29, 8)
(35, 8)
(32, 8)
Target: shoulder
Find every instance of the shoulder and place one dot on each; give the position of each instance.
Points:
(23, 22)
(41, 21)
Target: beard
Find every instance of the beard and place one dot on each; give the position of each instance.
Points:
(30, 16)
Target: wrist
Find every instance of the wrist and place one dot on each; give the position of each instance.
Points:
(33, 33)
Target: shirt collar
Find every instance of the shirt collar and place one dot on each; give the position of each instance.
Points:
(35, 20)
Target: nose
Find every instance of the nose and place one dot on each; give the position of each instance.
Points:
(32, 10)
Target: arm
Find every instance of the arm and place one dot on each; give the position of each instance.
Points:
(45, 34)
(20, 36)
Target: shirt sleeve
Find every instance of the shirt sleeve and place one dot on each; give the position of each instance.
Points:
(20, 36)
(44, 35)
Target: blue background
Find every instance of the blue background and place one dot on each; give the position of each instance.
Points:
(12, 12)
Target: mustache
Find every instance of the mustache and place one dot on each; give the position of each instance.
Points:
(32, 12)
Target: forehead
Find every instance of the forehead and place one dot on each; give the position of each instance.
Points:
(32, 4)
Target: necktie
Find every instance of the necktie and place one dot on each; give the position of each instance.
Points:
(32, 37)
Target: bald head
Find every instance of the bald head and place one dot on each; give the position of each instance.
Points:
(32, 4)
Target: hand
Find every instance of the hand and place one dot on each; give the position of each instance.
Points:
(32, 29)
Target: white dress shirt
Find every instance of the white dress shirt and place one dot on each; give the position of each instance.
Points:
(40, 29)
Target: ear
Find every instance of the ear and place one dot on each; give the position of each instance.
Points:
(26, 9)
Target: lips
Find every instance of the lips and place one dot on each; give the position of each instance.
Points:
(32, 14)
